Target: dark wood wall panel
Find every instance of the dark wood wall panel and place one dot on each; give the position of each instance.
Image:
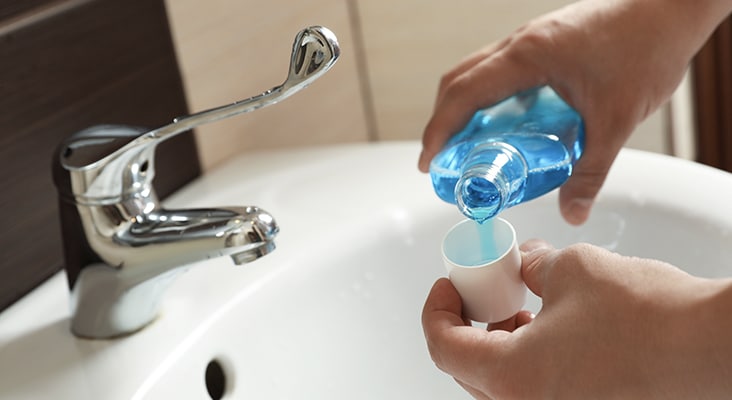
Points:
(17, 8)
(712, 76)
(83, 63)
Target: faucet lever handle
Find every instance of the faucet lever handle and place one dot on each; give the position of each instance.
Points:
(107, 163)
(314, 51)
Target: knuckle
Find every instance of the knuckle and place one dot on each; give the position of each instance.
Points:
(445, 81)
(433, 347)
(577, 253)
(588, 178)
(435, 356)
(539, 43)
(573, 259)
(531, 38)
(457, 88)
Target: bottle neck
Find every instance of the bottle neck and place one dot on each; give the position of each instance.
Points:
(493, 177)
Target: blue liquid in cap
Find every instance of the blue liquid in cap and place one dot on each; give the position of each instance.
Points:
(488, 250)
(474, 245)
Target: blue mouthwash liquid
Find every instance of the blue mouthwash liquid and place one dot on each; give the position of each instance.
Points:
(509, 153)
(488, 250)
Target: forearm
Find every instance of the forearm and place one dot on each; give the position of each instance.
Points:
(713, 12)
(719, 329)
(692, 21)
(703, 336)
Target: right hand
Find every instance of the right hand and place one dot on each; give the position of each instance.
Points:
(615, 62)
(610, 327)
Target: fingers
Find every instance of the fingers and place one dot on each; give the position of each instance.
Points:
(473, 89)
(520, 319)
(443, 308)
(577, 195)
(535, 264)
(477, 394)
(466, 64)
(466, 353)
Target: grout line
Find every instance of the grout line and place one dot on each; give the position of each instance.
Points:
(367, 97)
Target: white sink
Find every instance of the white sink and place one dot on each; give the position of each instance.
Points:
(334, 312)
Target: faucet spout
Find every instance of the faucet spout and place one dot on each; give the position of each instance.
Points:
(167, 238)
(122, 248)
(121, 294)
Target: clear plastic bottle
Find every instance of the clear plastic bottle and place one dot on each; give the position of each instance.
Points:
(509, 153)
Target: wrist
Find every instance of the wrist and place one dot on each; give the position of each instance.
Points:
(689, 22)
(690, 347)
(701, 17)
(710, 336)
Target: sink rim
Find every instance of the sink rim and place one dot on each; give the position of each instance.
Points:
(44, 312)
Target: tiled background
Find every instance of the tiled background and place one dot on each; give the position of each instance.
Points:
(393, 54)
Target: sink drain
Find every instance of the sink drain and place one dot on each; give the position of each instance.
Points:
(215, 380)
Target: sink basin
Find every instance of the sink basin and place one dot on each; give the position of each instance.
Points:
(334, 312)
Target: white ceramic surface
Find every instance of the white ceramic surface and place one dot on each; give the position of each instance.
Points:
(334, 312)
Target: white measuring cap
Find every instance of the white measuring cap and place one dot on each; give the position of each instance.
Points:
(484, 264)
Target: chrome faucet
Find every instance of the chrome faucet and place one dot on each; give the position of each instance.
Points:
(122, 248)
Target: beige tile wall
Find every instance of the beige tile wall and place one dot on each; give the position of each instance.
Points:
(232, 49)
(411, 43)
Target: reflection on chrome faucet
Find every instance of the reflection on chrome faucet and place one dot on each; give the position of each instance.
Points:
(122, 248)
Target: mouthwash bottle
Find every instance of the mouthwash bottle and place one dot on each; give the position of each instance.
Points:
(509, 153)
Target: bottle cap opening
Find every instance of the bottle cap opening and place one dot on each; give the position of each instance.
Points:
(481, 194)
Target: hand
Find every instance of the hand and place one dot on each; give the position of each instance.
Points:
(613, 61)
(610, 327)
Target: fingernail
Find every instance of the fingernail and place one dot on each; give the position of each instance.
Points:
(578, 210)
(421, 164)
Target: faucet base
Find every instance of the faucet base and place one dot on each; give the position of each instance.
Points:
(103, 306)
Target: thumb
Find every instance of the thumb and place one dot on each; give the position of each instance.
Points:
(535, 264)
(462, 351)
(577, 195)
